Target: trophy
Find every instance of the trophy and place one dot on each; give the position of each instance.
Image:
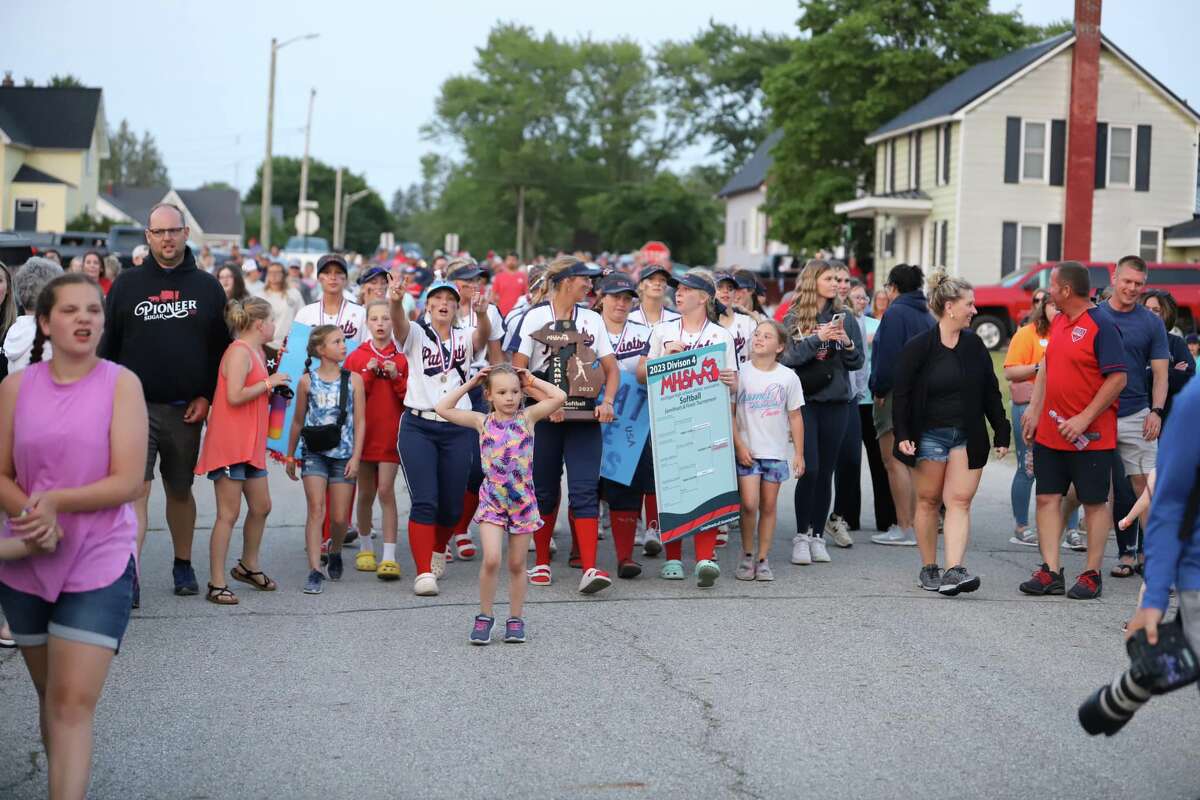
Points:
(572, 367)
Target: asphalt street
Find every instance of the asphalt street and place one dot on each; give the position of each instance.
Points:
(841, 680)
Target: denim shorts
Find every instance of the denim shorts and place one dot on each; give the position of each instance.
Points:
(772, 470)
(238, 472)
(97, 617)
(936, 443)
(331, 469)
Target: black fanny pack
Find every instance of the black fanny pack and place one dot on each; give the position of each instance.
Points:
(320, 438)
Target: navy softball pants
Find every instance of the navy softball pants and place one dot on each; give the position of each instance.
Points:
(577, 445)
(435, 457)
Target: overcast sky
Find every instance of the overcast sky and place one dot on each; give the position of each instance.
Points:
(195, 74)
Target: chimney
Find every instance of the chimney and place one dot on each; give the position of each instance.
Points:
(1081, 132)
(8, 80)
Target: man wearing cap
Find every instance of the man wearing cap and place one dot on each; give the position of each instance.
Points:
(332, 307)
(165, 321)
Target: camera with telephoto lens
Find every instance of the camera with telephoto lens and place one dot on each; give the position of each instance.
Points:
(1153, 669)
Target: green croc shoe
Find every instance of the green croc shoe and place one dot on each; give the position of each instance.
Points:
(671, 571)
(707, 573)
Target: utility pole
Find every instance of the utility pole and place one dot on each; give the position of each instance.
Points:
(264, 228)
(521, 224)
(337, 210)
(312, 97)
(350, 200)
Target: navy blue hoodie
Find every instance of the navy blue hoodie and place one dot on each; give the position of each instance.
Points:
(907, 316)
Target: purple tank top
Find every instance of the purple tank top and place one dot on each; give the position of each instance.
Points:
(61, 440)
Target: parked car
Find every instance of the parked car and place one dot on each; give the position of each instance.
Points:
(1002, 306)
(305, 248)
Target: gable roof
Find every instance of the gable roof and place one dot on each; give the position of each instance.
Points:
(753, 173)
(952, 96)
(135, 201)
(43, 116)
(27, 174)
(215, 210)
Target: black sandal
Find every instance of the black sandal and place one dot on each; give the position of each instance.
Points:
(258, 580)
(221, 596)
(1122, 570)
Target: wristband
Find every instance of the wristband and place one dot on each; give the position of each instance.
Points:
(1158, 411)
(267, 383)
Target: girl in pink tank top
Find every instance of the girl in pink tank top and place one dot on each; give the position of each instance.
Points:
(234, 454)
(69, 471)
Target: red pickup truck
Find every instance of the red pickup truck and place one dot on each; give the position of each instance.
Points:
(1002, 306)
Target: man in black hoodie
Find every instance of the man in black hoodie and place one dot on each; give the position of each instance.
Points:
(165, 321)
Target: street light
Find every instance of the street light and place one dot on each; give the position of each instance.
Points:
(264, 231)
(347, 201)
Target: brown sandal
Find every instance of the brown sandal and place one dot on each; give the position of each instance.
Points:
(258, 580)
(221, 596)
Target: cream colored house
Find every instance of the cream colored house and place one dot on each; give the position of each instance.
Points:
(51, 144)
(972, 177)
(746, 244)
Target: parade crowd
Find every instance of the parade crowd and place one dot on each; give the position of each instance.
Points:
(168, 371)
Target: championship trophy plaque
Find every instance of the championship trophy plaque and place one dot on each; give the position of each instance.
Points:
(572, 366)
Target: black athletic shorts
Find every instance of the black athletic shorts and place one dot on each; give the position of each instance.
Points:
(175, 445)
(1090, 472)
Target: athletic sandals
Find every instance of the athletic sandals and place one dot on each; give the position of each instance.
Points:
(540, 575)
(707, 573)
(221, 596)
(388, 571)
(465, 546)
(365, 561)
(425, 585)
(594, 580)
(258, 580)
(672, 570)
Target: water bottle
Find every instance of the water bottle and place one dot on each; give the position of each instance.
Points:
(1080, 442)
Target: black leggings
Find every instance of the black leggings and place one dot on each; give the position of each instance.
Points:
(847, 503)
(824, 428)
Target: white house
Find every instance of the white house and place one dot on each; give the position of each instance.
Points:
(977, 178)
(746, 244)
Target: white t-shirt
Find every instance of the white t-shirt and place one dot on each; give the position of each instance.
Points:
(587, 322)
(351, 317)
(630, 345)
(711, 333)
(430, 377)
(742, 329)
(470, 322)
(638, 315)
(764, 399)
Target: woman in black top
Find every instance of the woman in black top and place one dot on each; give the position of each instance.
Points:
(945, 388)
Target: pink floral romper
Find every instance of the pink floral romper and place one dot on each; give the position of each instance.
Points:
(506, 497)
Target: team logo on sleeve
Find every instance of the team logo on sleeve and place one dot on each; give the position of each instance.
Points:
(1077, 333)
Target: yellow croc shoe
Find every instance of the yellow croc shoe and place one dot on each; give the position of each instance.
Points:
(365, 561)
(388, 571)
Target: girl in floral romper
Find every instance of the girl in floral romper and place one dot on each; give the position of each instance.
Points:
(506, 499)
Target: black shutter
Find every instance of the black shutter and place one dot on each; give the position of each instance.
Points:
(1101, 154)
(916, 181)
(1058, 148)
(1054, 241)
(891, 187)
(1008, 248)
(946, 154)
(1141, 180)
(945, 227)
(1012, 150)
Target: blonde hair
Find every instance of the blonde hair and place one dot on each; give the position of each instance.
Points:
(780, 334)
(240, 315)
(806, 303)
(558, 266)
(944, 290)
(385, 303)
(710, 299)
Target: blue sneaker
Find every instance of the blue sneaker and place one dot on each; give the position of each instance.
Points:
(514, 630)
(482, 632)
(185, 579)
(314, 583)
(335, 566)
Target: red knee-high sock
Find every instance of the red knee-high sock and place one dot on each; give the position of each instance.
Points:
(541, 539)
(574, 535)
(442, 537)
(587, 532)
(420, 541)
(706, 545)
(624, 529)
(674, 550)
(651, 502)
(470, 504)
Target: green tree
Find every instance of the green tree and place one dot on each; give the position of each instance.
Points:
(86, 223)
(133, 161)
(857, 64)
(367, 218)
(217, 185)
(65, 82)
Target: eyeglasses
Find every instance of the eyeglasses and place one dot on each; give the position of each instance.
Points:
(159, 233)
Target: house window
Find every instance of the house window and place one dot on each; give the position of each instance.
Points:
(1120, 155)
(760, 224)
(1033, 151)
(1030, 251)
(1148, 244)
(944, 159)
(889, 167)
(914, 159)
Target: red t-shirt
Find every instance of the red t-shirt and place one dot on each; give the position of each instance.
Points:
(508, 287)
(1080, 353)
(385, 400)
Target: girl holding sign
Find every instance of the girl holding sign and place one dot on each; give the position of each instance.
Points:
(698, 327)
(630, 343)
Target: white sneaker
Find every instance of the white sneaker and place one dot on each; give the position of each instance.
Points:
(816, 547)
(895, 535)
(594, 580)
(1075, 540)
(838, 532)
(425, 585)
(801, 554)
(437, 564)
(652, 546)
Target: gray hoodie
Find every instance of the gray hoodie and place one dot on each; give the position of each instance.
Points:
(803, 349)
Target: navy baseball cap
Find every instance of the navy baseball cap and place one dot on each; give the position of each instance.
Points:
(370, 273)
(332, 260)
(658, 269)
(747, 282)
(697, 282)
(467, 272)
(726, 277)
(577, 270)
(438, 286)
(616, 283)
